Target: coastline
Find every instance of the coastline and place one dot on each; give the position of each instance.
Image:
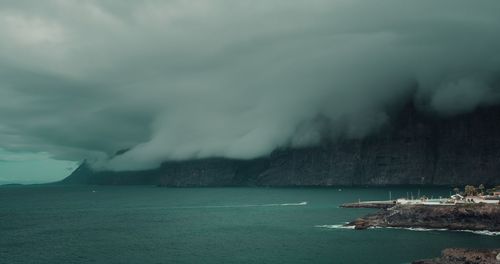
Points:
(473, 217)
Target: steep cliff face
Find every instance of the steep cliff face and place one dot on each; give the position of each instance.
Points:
(413, 149)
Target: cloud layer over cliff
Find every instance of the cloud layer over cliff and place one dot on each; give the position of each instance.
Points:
(193, 79)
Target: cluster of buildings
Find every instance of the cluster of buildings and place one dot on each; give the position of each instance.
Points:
(493, 198)
(489, 199)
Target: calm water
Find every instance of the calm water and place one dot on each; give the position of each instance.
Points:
(89, 224)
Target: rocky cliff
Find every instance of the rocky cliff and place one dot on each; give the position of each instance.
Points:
(478, 217)
(414, 148)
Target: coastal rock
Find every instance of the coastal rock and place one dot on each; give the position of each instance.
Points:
(414, 148)
(361, 224)
(476, 217)
(464, 256)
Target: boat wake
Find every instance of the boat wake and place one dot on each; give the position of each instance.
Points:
(289, 204)
(218, 206)
(240, 205)
(342, 226)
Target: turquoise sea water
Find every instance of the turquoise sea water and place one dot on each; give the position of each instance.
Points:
(107, 224)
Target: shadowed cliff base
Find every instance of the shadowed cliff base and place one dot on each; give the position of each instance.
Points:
(414, 149)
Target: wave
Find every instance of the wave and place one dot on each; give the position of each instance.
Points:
(419, 229)
(484, 232)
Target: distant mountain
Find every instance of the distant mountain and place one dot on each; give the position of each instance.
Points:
(414, 149)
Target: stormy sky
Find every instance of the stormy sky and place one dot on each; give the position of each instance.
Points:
(174, 80)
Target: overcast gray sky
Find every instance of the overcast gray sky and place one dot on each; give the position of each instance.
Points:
(228, 78)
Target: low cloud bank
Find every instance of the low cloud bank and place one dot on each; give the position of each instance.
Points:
(173, 80)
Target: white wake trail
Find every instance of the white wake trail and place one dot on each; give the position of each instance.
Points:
(239, 205)
(335, 226)
(218, 206)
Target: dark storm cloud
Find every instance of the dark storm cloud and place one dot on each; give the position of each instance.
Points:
(194, 79)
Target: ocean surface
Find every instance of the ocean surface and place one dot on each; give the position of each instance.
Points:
(142, 224)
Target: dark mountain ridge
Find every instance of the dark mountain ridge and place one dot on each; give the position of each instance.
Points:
(415, 148)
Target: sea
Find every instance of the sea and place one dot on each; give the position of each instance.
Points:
(147, 224)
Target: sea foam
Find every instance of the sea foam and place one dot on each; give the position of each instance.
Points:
(419, 229)
(479, 232)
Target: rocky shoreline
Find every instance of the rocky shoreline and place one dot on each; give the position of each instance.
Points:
(462, 256)
(475, 217)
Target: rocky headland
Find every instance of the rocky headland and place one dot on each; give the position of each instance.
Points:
(465, 256)
(475, 217)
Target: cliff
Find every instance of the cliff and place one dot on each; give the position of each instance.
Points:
(414, 148)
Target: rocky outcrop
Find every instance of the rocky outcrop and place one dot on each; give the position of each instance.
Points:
(413, 149)
(465, 256)
(477, 217)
